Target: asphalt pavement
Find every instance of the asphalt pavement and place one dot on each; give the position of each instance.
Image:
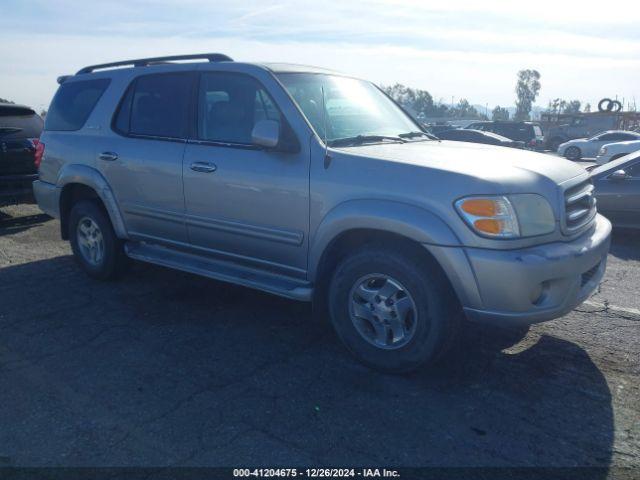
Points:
(166, 368)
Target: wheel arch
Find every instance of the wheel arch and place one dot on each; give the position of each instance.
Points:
(81, 182)
(360, 222)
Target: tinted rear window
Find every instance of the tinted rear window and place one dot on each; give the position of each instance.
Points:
(156, 105)
(15, 110)
(19, 122)
(73, 104)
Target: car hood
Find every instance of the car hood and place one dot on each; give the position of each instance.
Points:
(610, 167)
(633, 143)
(494, 164)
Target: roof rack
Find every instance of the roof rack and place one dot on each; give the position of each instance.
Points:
(143, 62)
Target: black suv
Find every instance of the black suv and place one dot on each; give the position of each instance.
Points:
(528, 132)
(20, 152)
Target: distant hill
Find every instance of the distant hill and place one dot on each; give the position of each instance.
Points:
(535, 111)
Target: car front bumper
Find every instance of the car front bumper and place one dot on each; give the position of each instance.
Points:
(528, 285)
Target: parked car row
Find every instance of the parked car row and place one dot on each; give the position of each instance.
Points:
(477, 136)
(503, 133)
(529, 133)
(590, 147)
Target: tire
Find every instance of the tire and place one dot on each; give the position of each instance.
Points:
(89, 216)
(603, 102)
(429, 328)
(573, 153)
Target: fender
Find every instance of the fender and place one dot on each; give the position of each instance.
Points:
(89, 176)
(403, 219)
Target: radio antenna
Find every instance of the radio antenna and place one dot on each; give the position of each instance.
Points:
(327, 157)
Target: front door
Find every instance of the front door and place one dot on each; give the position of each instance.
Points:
(244, 203)
(619, 199)
(143, 160)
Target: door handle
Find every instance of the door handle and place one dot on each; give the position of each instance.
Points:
(203, 167)
(108, 156)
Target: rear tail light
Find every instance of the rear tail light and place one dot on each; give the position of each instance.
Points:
(38, 153)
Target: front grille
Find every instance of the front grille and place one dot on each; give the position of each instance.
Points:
(580, 206)
(588, 275)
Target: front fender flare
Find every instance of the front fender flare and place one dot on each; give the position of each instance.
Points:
(403, 219)
(89, 176)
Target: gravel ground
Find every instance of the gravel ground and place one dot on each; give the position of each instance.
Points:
(166, 368)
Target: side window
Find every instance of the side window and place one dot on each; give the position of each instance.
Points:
(608, 137)
(633, 170)
(625, 137)
(229, 106)
(157, 106)
(73, 103)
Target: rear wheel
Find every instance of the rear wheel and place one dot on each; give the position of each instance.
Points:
(95, 245)
(392, 312)
(573, 153)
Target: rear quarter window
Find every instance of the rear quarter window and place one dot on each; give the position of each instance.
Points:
(73, 103)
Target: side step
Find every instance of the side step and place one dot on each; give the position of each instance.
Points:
(220, 270)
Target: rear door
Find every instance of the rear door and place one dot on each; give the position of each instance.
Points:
(619, 199)
(142, 158)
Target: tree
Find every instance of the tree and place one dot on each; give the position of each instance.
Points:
(573, 106)
(464, 110)
(587, 108)
(527, 88)
(499, 113)
(559, 105)
(421, 104)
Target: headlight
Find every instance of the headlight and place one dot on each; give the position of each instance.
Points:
(603, 151)
(513, 216)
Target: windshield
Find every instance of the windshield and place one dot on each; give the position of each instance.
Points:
(354, 108)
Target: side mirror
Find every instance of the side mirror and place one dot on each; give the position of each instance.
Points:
(266, 133)
(619, 175)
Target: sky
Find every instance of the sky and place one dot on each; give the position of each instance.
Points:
(472, 49)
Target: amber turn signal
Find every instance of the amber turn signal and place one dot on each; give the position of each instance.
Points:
(480, 207)
(489, 225)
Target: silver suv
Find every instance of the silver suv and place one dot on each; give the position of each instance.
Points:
(315, 186)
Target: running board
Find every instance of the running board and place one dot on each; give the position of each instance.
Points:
(219, 270)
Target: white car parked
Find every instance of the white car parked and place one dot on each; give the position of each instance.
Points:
(613, 151)
(589, 147)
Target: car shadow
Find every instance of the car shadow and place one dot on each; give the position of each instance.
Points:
(624, 244)
(10, 225)
(166, 368)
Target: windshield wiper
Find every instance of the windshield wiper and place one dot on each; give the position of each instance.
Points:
(417, 134)
(361, 139)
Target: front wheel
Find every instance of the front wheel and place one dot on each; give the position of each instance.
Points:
(95, 245)
(394, 312)
(573, 153)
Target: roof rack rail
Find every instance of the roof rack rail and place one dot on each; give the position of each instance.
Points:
(143, 62)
